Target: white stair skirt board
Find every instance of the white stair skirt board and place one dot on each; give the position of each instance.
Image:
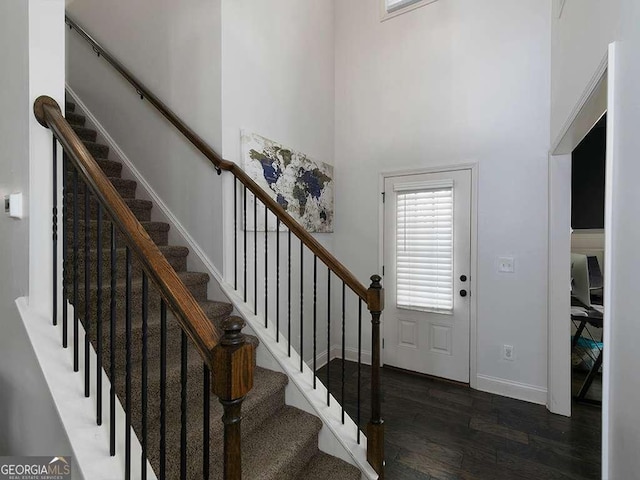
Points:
(334, 439)
(89, 442)
(517, 390)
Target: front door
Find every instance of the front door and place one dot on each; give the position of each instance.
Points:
(427, 258)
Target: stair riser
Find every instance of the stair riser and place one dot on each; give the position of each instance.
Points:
(179, 264)
(85, 133)
(124, 188)
(97, 150)
(109, 167)
(75, 119)
(159, 237)
(199, 291)
(142, 210)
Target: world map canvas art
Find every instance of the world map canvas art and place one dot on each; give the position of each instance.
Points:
(301, 185)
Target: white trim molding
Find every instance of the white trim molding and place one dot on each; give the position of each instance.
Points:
(511, 389)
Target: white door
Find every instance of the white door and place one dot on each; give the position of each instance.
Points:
(427, 258)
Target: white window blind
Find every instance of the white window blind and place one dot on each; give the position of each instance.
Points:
(424, 247)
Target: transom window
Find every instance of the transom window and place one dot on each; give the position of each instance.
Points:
(392, 8)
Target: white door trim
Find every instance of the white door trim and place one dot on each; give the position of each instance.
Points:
(473, 273)
(587, 111)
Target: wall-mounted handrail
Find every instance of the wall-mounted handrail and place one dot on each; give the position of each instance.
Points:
(220, 164)
(190, 315)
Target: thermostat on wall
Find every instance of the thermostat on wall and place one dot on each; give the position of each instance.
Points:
(13, 205)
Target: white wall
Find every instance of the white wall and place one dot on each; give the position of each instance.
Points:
(454, 82)
(175, 49)
(580, 39)
(28, 420)
(278, 81)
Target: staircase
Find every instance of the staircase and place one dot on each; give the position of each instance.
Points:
(278, 441)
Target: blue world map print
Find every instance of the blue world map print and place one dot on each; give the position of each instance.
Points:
(302, 186)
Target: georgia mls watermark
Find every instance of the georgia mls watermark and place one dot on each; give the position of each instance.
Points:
(35, 468)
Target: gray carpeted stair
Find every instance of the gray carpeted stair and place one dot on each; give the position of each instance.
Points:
(279, 442)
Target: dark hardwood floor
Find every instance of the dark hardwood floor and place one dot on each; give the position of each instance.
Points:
(441, 430)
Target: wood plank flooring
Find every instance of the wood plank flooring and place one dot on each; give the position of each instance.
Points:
(441, 430)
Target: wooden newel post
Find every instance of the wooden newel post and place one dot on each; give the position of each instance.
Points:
(232, 379)
(375, 429)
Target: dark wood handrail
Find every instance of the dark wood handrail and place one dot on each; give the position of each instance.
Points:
(190, 315)
(220, 164)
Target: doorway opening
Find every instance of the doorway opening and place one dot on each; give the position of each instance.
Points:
(588, 167)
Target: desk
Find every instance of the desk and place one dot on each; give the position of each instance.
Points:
(595, 319)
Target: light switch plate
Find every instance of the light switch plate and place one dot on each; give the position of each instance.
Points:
(15, 205)
(506, 264)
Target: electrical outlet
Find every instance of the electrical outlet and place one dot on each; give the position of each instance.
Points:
(506, 264)
(507, 353)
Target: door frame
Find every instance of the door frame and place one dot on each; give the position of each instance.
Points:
(473, 272)
(592, 104)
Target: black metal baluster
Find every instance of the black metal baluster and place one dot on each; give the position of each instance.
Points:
(235, 233)
(183, 407)
(255, 255)
(76, 354)
(163, 389)
(289, 293)
(359, 361)
(127, 408)
(343, 345)
(65, 255)
(315, 317)
(206, 395)
(328, 336)
(266, 268)
(301, 303)
(87, 290)
(112, 344)
(145, 316)
(278, 280)
(99, 317)
(54, 218)
(244, 220)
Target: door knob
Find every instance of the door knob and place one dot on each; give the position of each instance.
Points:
(463, 278)
(463, 293)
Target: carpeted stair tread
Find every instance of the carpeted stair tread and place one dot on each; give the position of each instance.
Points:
(75, 118)
(327, 467)
(69, 106)
(85, 133)
(217, 311)
(282, 446)
(158, 231)
(110, 168)
(175, 255)
(125, 187)
(98, 150)
(140, 208)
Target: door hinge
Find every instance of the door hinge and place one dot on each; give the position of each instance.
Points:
(383, 343)
(383, 270)
(383, 197)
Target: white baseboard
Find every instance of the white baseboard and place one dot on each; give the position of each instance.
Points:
(511, 389)
(350, 354)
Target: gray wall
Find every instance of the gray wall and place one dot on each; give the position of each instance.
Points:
(29, 423)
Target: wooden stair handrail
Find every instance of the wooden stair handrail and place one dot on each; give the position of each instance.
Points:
(190, 315)
(220, 164)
